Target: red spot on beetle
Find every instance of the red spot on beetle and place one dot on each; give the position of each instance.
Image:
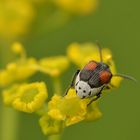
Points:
(90, 66)
(105, 77)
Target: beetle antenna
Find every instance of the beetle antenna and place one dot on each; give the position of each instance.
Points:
(126, 77)
(100, 50)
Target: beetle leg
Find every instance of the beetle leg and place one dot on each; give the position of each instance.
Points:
(98, 95)
(73, 78)
(94, 99)
(72, 82)
(109, 86)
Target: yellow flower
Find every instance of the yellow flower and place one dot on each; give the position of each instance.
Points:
(81, 54)
(30, 97)
(17, 48)
(9, 94)
(5, 78)
(50, 126)
(81, 7)
(17, 71)
(15, 16)
(54, 66)
(94, 112)
(26, 69)
(115, 81)
(70, 109)
(38, 1)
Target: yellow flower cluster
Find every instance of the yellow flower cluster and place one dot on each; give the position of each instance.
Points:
(50, 126)
(18, 70)
(24, 67)
(66, 111)
(26, 97)
(54, 66)
(15, 17)
(80, 7)
(60, 111)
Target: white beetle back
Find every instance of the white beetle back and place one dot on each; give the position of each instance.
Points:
(83, 89)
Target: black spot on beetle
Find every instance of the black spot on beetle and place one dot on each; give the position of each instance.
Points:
(83, 97)
(79, 87)
(84, 91)
(76, 91)
(89, 93)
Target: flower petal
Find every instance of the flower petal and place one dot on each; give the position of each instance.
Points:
(82, 7)
(50, 126)
(9, 94)
(69, 109)
(17, 71)
(93, 112)
(30, 97)
(54, 66)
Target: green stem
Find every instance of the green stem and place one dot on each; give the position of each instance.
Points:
(54, 137)
(9, 117)
(58, 91)
(9, 124)
(57, 86)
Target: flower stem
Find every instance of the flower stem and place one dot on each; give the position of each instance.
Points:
(9, 124)
(9, 117)
(58, 91)
(57, 86)
(54, 137)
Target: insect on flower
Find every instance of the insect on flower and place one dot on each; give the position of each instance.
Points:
(93, 78)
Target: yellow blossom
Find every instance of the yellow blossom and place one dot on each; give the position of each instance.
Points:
(17, 48)
(9, 94)
(15, 17)
(81, 54)
(81, 7)
(50, 126)
(30, 97)
(17, 71)
(38, 1)
(26, 69)
(5, 78)
(54, 66)
(70, 109)
(94, 112)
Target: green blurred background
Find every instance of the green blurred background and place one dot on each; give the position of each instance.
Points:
(116, 25)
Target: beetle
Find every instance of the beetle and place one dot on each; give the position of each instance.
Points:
(93, 78)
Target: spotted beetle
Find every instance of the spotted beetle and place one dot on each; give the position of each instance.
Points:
(93, 78)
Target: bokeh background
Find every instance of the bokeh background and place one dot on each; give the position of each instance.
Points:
(116, 25)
